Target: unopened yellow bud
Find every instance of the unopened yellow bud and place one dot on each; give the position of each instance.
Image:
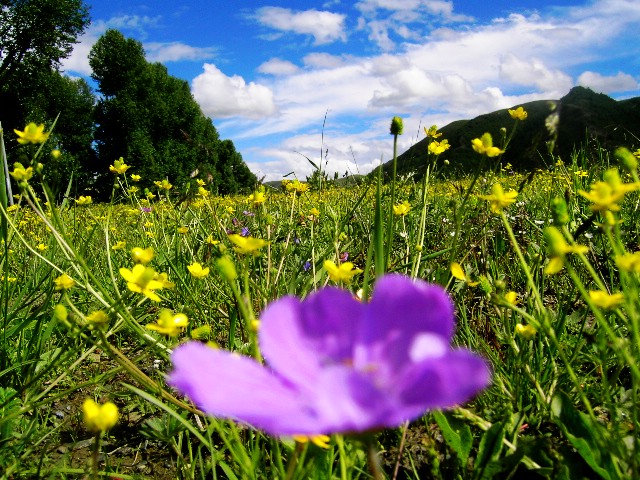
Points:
(226, 268)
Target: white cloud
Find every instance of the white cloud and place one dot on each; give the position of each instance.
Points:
(621, 82)
(533, 72)
(406, 19)
(223, 96)
(78, 61)
(176, 52)
(277, 66)
(325, 27)
(324, 60)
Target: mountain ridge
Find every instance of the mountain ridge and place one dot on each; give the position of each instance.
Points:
(584, 117)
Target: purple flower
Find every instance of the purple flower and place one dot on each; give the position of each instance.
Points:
(247, 213)
(145, 209)
(344, 256)
(306, 266)
(338, 365)
(245, 232)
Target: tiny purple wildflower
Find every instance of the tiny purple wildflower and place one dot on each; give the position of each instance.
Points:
(235, 222)
(245, 232)
(344, 256)
(306, 266)
(338, 365)
(247, 213)
(145, 209)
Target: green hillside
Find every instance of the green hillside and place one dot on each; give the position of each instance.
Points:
(585, 119)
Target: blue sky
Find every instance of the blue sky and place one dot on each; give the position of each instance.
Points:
(267, 73)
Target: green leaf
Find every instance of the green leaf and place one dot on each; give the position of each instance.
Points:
(456, 433)
(583, 434)
(489, 451)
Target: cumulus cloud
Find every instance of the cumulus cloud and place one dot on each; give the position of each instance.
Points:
(277, 66)
(533, 72)
(222, 96)
(621, 82)
(325, 27)
(176, 52)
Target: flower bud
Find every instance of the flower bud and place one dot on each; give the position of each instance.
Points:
(626, 158)
(396, 126)
(226, 268)
(559, 212)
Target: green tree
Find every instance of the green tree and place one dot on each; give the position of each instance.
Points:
(34, 36)
(151, 119)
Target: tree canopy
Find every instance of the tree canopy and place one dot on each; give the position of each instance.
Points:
(151, 119)
(142, 113)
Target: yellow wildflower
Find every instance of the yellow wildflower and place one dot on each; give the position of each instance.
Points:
(21, 174)
(484, 146)
(247, 245)
(169, 323)
(257, 197)
(629, 262)
(99, 317)
(342, 273)
(84, 200)
(183, 229)
(436, 148)
(118, 246)
(458, 272)
(558, 248)
(56, 153)
(401, 209)
(142, 255)
(606, 300)
(32, 133)
(314, 211)
(163, 279)
(525, 331)
(432, 132)
(321, 441)
(141, 279)
(119, 167)
(605, 195)
(163, 185)
(203, 192)
(99, 418)
(518, 114)
(499, 199)
(196, 270)
(41, 247)
(512, 298)
(297, 186)
(200, 182)
(135, 178)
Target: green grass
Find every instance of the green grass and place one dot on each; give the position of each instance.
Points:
(563, 402)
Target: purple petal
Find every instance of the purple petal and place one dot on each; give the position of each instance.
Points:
(298, 339)
(227, 385)
(400, 311)
(443, 382)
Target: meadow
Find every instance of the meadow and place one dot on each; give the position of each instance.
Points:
(543, 268)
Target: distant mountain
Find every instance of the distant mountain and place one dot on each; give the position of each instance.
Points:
(585, 118)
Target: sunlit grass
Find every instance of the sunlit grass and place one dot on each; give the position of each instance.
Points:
(542, 270)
